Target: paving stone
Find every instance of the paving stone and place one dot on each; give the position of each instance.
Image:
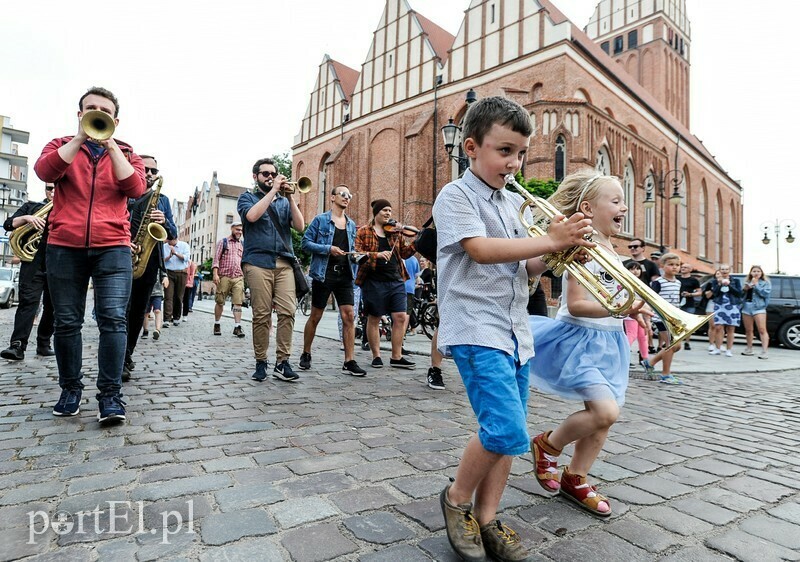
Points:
(634, 464)
(370, 498)
(764, 491)
(148, 460)
(244, 551)
(259, 474)
(78, 470)
(649, 538)
(317, 484)
(629, 494)
(788, 512)
(704, 510)
(15, 543)
(420, 486)
(110, 520)
(119, 549)
(317, 543)
(227, 463)
(749, 548)
(610, 472)
(22, 515)
(380, 528)
(594, 545)
(404, 552)
(70, 553)
(190, 455)
(673, 520)
(729, 500)
(556, 516)
(221, 528)
(323, 464)
(439, 549)
(31, 493)
(157, 546)
(689, 477)
(181, 512)
(168, 472)
(717, 467)
(101, 481)
(427, 513)
(659, 486)
(301, 511)
(695, 554)
(774, 530)
(253, 495)
(658, 456)
(280, 456)
(689, 451)
(181, 487)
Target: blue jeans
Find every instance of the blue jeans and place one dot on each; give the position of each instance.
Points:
(68, 273)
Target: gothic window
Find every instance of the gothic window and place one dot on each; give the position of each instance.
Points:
(650, 214)
(701, 230)
(492, 13)
(633, 39)
(618, 45)
(717, 230)
(533, 124)
(560, 159)
(683, 227)
(603, 163)
(731, 237)
(546, 123)
(605, 46)
(628, 188)
(576, 127)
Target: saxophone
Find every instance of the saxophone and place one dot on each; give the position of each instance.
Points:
(149, 234)
(24, 241)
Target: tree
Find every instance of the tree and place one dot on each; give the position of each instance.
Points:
(537, 187)
(283, 163)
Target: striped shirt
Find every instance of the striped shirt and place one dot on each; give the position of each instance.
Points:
(670, 291)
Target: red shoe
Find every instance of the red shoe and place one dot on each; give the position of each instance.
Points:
(575, 488)
(544, 458)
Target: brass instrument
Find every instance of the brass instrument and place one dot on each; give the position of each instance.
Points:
(302, 185)
(98, 125)
(149, 234)
(24, 241)
(680, 324)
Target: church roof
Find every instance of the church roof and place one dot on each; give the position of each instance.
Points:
(441, 40)
(347, 78)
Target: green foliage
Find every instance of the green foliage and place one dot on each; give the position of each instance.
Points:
(205, 268)
(283, 163)
(302, 255)
(537, 187)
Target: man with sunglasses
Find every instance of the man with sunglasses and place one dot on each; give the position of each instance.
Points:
(650, 271)
(32, 286)
(329, 238)
(142, 287)
(268, 214)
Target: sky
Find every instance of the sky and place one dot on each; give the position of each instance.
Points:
(207, 85)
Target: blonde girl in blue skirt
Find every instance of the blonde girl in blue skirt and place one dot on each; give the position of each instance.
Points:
(583, 354)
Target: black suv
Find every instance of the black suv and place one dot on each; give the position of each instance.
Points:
(783, 310)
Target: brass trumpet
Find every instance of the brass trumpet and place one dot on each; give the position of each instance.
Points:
(302, 185)
(680, 324)
(98, 125)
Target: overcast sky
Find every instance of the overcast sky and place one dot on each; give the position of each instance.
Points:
(208, 85)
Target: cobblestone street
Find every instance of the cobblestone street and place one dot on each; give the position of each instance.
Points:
(214, 466)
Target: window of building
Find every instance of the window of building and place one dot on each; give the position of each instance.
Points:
(603, 163)
(633, 39)
(731, 236)
(561, 158)
(683, 226)
(717, 231)
(628, 185)
(649, 214)
(605, 46)
(618, 45)
(492, 13)
(701, 227)
(229, 218)
(390, 60)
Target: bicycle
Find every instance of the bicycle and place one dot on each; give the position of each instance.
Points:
(304, 304)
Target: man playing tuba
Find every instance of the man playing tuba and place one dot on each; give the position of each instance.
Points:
(32, 285)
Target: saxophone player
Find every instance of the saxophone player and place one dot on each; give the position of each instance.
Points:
(32, 286)
(142, 211)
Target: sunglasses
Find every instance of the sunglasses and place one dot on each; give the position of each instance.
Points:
(153, 171)
(269, 174)
(49, 187)
(633, 246)
(345, 195)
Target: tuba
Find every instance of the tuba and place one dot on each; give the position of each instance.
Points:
(149, 234)
(24, 241)
(680, 324)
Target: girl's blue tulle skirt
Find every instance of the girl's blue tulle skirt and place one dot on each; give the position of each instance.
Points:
(579, 362)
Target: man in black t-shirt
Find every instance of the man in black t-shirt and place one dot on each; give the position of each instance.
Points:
(690, 293)
(650, 271)
(330, 238)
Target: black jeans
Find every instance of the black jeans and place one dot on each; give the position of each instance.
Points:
(140, 296)
(32, 286)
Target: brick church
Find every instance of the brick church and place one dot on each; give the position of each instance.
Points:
(613, 96)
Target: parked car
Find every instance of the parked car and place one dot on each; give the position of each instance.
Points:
(783, 310)
(9, 286)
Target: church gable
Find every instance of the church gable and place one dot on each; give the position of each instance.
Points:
(329, 99)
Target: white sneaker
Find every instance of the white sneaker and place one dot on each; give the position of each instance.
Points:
(711, 347)
(714, 351)
(728, 353)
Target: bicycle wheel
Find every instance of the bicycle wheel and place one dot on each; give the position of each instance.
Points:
(305, 304)
(429, 319)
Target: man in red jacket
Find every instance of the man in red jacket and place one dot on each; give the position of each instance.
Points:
(90, 238)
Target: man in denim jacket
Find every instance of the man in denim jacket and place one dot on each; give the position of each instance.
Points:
(330, 239)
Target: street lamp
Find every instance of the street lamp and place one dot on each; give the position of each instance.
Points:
(675, 198)
(788, 224)
(452, 135)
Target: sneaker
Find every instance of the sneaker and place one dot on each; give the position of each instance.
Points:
(352, 368)
(261, 371)
(156, 334)
(652, 350)
(45, 350)
(377, 363)
(435, 378)
(15, 352)
(145, 333)
(463, 530)
(502, 542)
(126, 374)
(670, 379)
(365, 346)
(748, 352)
(238, 332)
(183, 319)
(714, 351)
(166, 325)
(283, 371)
(711, 347)
(404, 351)
(686, 346)
(176, 322)
(728, 353)
(305, 361)
(763, 356)
(648, 368)
(112, 408)
(217, 329)
(69, 404)
(402, 363)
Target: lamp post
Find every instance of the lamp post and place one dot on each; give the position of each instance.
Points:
(452, 136)
(788, 224)
(675, 198)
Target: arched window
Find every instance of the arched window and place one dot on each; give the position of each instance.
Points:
(717, 229)
(683, 212)
(628, 188)
(732, 236)
(650, 214)
(560, 158)
(533, 124)
(603, 162)
(702, 239)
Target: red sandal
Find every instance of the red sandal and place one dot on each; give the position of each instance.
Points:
(575, 488)
(544, 459)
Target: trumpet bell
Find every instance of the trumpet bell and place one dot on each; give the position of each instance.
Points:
(302, 185)
(98, 125)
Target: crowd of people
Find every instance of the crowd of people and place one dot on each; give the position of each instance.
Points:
(484, 261)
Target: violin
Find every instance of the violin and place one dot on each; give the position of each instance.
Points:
(392, 226)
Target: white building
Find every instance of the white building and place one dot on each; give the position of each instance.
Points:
(211, 211)
(13, 174)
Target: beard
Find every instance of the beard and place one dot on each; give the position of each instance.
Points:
(263, 186)
(151, 181)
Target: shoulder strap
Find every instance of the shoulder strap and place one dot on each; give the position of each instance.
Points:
(278, 227)
(428, 222)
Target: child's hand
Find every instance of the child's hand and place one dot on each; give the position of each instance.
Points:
(567, 233)
(634, 310)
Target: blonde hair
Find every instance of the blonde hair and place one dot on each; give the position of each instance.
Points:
(583, 185)
(750, 274)
(669, 256)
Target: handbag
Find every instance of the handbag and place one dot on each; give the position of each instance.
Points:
(301, 287)
(426, 241)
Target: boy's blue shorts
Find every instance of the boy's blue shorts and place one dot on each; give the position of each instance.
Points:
(497, 387)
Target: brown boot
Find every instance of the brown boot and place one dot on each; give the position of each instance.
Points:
(545, 461)
(503, 543)
(463, 530)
